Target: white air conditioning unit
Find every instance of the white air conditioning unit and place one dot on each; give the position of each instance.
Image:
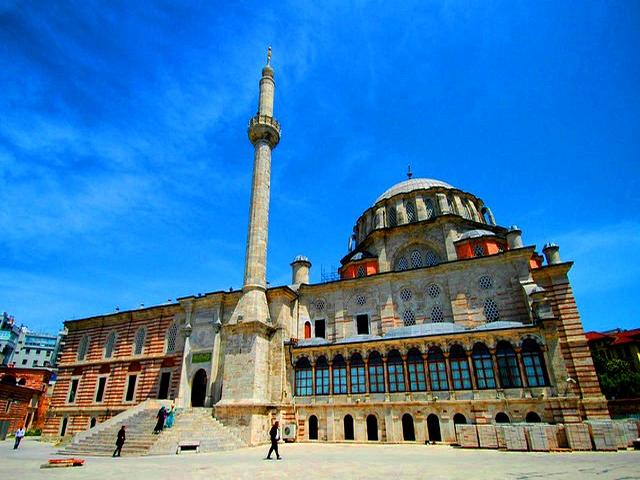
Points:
(289, 432)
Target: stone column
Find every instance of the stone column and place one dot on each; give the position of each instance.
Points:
(447, 366)
(523, 375)
(184, 393)
(472, 370)
(405, 370)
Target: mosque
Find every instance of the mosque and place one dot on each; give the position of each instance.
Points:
(439, 316)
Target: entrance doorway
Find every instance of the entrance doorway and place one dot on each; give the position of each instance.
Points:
(372, 428)
(348, 428)
(199, 388)
(433, 427)
(313, 427)
(408, 431)
(165, 381)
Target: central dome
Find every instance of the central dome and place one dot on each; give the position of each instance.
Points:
(411, 185)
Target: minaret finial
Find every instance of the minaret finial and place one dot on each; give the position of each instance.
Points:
(409, 174)
(269, 55)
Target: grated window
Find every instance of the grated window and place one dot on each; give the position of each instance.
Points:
(437, 316)
(320, 304)
(138, 342)
(409, 318)
(402, 264)
(83, 346)
(478, 250)
(391, 216)
(416, 259)
(361, 300)
(405, 294)
(172, 337)
(411, 212)
(429, 206)
(433, 290)
(485, 282)
(431, 258)
(109, 344)
(362, 272)
(491, 311)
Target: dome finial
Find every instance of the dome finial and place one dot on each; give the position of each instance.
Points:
(409, 173)
(269, 55)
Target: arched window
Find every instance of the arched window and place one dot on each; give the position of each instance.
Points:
(172, 338)
(307, 329)
(428, 204)
(502, 417)
(466, 213)
(408, 318)
(459, 363)
(109, 344)
(392, 217)
(437, 369)
(452, 205)
(459, 419)
(83, 347)
(483, 365)
(490, 310)
(437, 316)
(358, 384)
(402, 264)
(304, 378)
(533, 417)
(410, 208)
(478, 250)
(339, 375)
(362, 271)
(431, 258)
(508, 366)
(138, 341)
(376, 373)
(533, 364)
(395, 371)
(416, 259)
(322, 376)
(415, 370)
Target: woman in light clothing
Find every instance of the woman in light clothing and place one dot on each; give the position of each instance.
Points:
(170, 416)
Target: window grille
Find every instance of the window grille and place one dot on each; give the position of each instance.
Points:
(409, 318)
(138, 343)
(362, 272)
(411, 212)
(391, 216)
(433, 290)
(431, 258)
(416, 259)
(405, 294)
(436, 314)
(109, 344)
(402, 264)
(478, 250)
(320, 304)
(361, 300)
(172, 337)
(83, 347)
(491, 312)
(429, 206)
(485, 282)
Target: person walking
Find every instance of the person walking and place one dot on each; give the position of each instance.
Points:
(162, 415)
(170, 416)
(119, 442)
(274, 434)
(19, 436)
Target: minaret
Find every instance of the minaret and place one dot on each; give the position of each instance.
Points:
(264, 134)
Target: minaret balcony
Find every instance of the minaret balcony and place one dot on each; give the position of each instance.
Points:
(264, 127)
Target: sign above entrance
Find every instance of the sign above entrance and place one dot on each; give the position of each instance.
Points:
(201, 357)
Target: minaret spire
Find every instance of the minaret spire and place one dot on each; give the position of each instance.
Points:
(409, 173)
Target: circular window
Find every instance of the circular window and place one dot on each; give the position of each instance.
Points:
(485, 282)
(360, 300)
(436, 314)
(320, 304)
(405, 294)
(409, 318)
(433, 290)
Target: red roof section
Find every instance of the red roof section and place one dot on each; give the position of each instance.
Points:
(616, 337)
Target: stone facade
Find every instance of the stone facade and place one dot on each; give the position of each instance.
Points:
(440, 316)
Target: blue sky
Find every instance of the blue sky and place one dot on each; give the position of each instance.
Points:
(125, 168)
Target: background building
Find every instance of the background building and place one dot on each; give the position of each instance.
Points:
(9, 334)
(35, 349)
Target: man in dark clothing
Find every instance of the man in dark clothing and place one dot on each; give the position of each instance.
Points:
(274, 434)
(119, 442)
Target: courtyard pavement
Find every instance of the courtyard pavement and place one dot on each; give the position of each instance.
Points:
(309, 461)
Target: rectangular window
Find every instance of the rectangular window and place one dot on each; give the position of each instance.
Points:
(73, 390)
(460, 374)
(131, 388)
(358, 384)
(102, 383)
(376, 378)
(38, 352)
(509, 371)
(165, 382)
(35, 363)
(24, 361)
(438, 375)
(339, 380)
(320, 330)
(27, 351)
(396, 377)
(484, 372)
(63, 427)
(417, 381)
(322, 381)
(362, 324)
(304, 382)
(48, 353)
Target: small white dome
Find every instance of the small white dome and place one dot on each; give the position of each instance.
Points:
(476, 234)
(411, 185)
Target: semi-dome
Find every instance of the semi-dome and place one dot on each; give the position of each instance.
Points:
(411, 185)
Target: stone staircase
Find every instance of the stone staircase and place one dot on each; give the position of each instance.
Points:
(140, 437)
(192, 424)
(196, 424)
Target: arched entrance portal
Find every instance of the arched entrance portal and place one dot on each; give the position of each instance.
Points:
(408, 432)
(433, 427)
(199, 388)
(372, 428)
(502, 417)
(348, 427)
(313, 427)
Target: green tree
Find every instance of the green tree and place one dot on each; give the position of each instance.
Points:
(617, 379)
